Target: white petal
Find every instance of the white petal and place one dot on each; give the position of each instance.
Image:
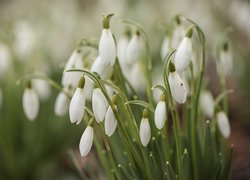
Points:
(223, 124)
(183, 54)
(99, 105)
(76, 107)
(137, 78)
(30, 103)
(42, 88)
(122, 50)
(145, 132)
(160, 114)
(110, 122)
(177, 87)
(88, 88)
(178, 34)
(100, 67)
(207, 103)
(61, 104)
(86, 141)
(109, 91)
(226, 62)
(133, 50)
(165, 48)
(107, 48)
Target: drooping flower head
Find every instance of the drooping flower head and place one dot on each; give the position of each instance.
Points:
(160, 112)
(145, 131)
(107, 47)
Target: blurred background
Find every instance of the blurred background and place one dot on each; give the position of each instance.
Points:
(39, 36)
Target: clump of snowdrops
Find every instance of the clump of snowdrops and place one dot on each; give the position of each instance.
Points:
(180, 134)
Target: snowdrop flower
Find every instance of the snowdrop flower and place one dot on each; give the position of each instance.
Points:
(122, 50)
(5, 60)
(160, 113)
(62, 102)
(184, 52)
(101, 68)
(99, 105)
(87, 139)
(134, 49)
(25, 39)
(42, 88)
(223, 124)
(30, 102)
(137, 78)
(145, 131)
(74, 62)
(177, 87)
(110, 123)
(207, 103)
(88, 88)
(77, 103)
(165, 47)
(107, 47)
(226, 61)
(178, 34)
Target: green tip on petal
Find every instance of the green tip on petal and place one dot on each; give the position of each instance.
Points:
(178, 21)
(91, 122)
(128, 32)
(145, 113)
(106, 20)
(28, 84)
(114, 99)
(137, 32)
(171, 67)
(189, 33)
(225, 46)
(81, 82)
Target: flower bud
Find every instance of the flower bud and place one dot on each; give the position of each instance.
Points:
(145, 131)
(160, 113)
(223, 124)
(30, 103)
(207, 103)
(134, 49)
(86, 141)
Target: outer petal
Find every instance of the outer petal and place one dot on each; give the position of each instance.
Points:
(76, 108)
(42, 88)
(122, 51)
(160, 114)
(88, 88)
(177, 87)
(145, 132)
(110, 122)
(226, 62)
(165, 48)
(99, 105)
(86, 141)
(30, 104)
(107, 48)
(183, 54)
(61, 104)
(101, 68)
(207, 103)
(133, 50)
(223, 124)
(137, 78)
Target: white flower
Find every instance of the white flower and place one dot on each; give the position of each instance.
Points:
(88, 88)
(145, 131)
(42, 88)
(86, 141)
(107, 48)
(207, 103)
(122, 51)
(183, 54)
(30, 103)
(177, 87)
(223, 124)
(74, 62)
(160, 114)
(137, 78)
(100, 67)
(76, 107)
(5, 60)
(134, 49)
(110, 122)
(99, 105)
(165, 47)
(226, 62)
(178, 34)
(61, 104)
